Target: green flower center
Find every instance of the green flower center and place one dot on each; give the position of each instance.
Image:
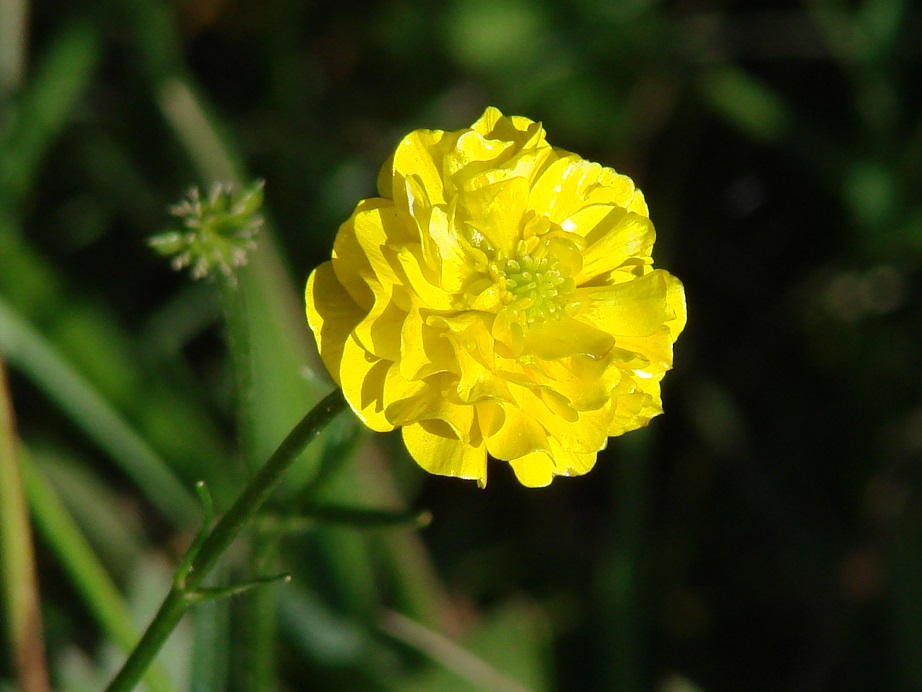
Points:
(535, 286)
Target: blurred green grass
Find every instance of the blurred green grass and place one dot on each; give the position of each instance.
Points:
(763, 534)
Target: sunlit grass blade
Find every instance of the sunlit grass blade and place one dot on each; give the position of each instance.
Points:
(63, 74)
(14, 23)
(78, 560)
(748, 104)
(32, 354)
(18, 583)
(507, 653)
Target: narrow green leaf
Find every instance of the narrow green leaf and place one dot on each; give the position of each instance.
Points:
(509, 652)
(30, 352)
(63, 74)
(18, 582)
(747, 103)
(13, 31)
(91, 580)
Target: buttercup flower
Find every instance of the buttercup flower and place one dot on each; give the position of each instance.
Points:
(498, 299)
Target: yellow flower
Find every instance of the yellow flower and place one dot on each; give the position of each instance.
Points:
(498, 298)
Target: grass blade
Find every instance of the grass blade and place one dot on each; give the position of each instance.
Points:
(17, 558)
(68, 544)
(31, 353)
(61, 78)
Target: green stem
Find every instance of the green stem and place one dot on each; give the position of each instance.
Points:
(183, 594)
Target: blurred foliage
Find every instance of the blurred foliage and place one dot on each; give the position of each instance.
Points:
(766, 533)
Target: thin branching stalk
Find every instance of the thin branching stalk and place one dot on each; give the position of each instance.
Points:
(186, 590)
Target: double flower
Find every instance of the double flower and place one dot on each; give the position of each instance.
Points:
(498, 299)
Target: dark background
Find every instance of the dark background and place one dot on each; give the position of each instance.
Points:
(764, 534)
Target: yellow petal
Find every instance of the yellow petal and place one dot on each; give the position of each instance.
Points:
(675, 300)
(535, 470)
(638, 204)
(418, 280)
(508, 332)
(518, 436)
(331, 314)
(495, 211)
(487, 122)
(378, 231)
(585, 431)
(571, 183)
(618, 236)
(454, 263)
(587, 435)
(424, 350)
(477, 382)
(472, 154)
(490, 417)
(538, 469)
(567, 337)
(362, 377)
(420, 155)
(406, 401)
(569, 463)
(524, 132)
(438, 451)
(634, 410)
(636, 313)
(379, 331)
(429, 400)
(349, 261)
(585, 382)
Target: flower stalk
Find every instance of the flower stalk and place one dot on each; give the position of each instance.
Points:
(187, 585)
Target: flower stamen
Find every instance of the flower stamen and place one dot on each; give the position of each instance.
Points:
(535, 287)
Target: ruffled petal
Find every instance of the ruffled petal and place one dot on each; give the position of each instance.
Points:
(567, 337)
(635, 313)
(635, 409)
(331, 314)
(578, 431)
(424, 350)
(420, 155)
(495, 211)
(539, 469)
(585, 382)
(570, 463)
(534, 470)
(419, 281)
(518, 436)
(362, 377)
(379, 331)
(675, 302)
(437, 450)
(612, 238)
(377, 231)
(571, 183)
